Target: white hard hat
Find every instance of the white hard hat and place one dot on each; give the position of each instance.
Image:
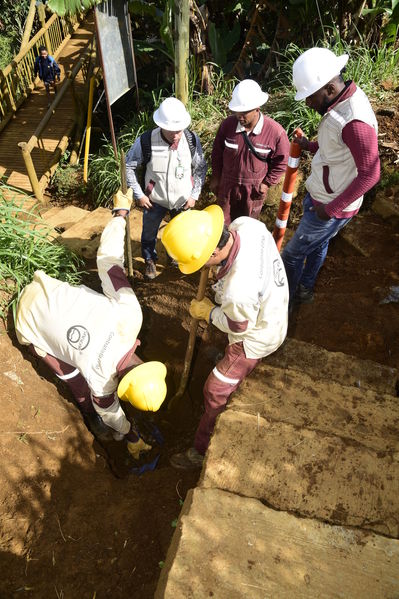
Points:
(314, 68)
(172, 115)
(247, 95)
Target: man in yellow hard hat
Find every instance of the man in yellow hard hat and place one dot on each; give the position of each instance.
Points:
(89, 339)
(251, 302)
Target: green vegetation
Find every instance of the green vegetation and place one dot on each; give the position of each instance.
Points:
(67, 183)
(12, 24)
(367, 67)
(26, 245)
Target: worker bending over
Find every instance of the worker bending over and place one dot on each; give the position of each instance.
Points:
(345, 164)
(251, 296)
(89, 339)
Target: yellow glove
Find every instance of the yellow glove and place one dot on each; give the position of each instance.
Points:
(136, 448)
(123, 201)
(201, 310)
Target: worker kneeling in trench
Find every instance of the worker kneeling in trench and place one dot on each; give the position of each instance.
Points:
(251, 293)
(89, 339)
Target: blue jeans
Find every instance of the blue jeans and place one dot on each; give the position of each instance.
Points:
(304, 254)
(151, 222)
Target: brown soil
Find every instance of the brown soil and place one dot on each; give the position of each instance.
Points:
(73, 522)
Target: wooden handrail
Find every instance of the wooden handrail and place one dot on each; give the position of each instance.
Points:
(17, 79)
(26, 147)
(28, 46)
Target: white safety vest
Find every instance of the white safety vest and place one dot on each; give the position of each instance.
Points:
(333, 167)
(168, 174)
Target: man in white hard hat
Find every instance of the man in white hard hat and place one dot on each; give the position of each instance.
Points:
(249, 154)
(251, 297)
(174, 168)
(89, 340)
(345, 164)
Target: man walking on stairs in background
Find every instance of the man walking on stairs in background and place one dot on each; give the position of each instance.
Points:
(89, 339)
(174, 171)
(251, 296)
(48, 71)
(345, 164)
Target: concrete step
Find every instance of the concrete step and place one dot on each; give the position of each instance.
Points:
(312, 360)
(361, 415)
(305, 472)
(230, 547)
(84, 236)
(321, 364)
(64, 218)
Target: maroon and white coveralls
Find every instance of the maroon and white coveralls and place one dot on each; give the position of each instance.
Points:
(252, 293)
(239, 173)
(87, 338)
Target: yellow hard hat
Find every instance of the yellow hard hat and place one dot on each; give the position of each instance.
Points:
(144, 386)
(191, 237)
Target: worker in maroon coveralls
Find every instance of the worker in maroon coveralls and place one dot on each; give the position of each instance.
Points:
(249, 155)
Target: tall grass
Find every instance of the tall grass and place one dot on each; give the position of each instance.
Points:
(26, 245)
(367, 67)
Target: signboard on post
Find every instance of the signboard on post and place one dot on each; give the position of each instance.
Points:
(116, 48)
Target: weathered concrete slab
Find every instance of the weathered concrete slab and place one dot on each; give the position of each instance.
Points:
(316, 362)
(304, 471)
(230, 547)
(348, 412)
(84, 237)
(64, 218)
(386, 204)
(319, 364)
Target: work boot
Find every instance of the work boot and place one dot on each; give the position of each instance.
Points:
(98, 428)
(303, 295)
(150, 269)
(172, 262)
(188, 460)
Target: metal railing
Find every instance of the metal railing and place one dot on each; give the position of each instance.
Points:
(17, 79)
(85, 65)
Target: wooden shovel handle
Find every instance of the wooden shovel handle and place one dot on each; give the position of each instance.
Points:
(128, 240)
(192, 336)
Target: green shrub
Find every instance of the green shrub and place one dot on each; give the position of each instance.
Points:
(6, 53)
(26, 245)
(67, 183)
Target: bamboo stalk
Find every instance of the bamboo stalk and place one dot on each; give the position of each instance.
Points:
(182, 21)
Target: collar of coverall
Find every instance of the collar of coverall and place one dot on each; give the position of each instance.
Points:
(228, 262)
(256, 130)
(347, 92)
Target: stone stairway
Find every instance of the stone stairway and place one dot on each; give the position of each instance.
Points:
(298, 495)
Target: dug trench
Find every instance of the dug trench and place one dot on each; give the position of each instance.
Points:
(76, 522)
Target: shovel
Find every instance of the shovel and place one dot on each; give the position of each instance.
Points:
(191, 342)
(127, 239)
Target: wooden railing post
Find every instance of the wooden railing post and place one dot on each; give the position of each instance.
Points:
(37, 190)
(29, 24)
(5, 93)
(42, 18)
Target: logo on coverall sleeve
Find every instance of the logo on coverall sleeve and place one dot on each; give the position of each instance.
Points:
(278, 272)
(78, 336)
